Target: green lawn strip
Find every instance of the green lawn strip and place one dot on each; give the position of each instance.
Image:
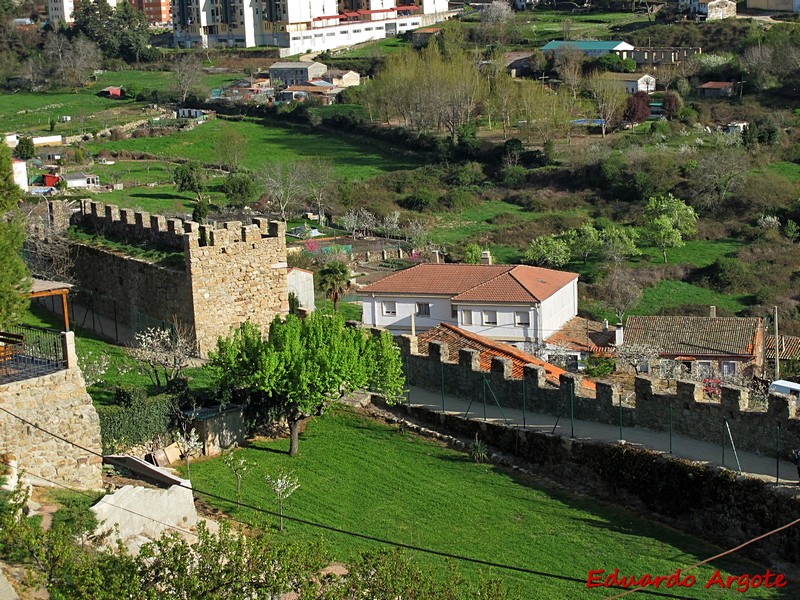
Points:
(362, 476)
(122, 369)
(678, 293)
(350, 311)
(155, 200)
(143, 251)
(788, 170)
(273, 142)
(699, 253)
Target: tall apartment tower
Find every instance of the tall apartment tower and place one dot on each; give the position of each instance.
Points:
(61, 10)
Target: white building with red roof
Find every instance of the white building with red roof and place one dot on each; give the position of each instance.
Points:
(511, 303)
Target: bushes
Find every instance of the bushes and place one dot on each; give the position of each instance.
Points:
(137, 423)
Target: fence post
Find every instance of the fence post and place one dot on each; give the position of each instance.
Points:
(777, 452)
(524, 399)
(723, 440)
(620, 418)
(441, 371)
(68, 344)
(670, 427)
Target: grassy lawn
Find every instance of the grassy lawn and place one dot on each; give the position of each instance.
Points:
(788, 170)
(362, 476)
(122, 369)
(266, 143)
(699, 253)
(541, 26)
(377, 48)
(668, 294)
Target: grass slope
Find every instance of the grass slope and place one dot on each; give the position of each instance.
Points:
(362, 476)
(267, 143)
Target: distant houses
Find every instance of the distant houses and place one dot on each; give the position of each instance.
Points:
(716, 89)
(296, 73)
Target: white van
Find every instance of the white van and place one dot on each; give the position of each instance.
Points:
(790, 388)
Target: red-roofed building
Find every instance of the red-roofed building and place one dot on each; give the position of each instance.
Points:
(511, 303)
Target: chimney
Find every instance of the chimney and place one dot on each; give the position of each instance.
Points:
(486, 257)
(605, 325)
(619, 335)
(437, 258)
(713, 312)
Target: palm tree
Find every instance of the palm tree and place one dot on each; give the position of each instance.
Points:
(334, 280)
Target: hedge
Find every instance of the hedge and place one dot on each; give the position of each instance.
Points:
(146, 418)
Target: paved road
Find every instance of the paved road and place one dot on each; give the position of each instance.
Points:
(762, 466)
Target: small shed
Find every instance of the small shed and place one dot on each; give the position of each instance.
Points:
(716, 89)
(81, 180)
(301, 283)
(112, 91)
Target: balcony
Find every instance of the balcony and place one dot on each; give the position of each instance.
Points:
(27, 352)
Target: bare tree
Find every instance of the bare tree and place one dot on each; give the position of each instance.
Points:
(352, 221)
(320, 185)
(186, 74)
(71, 61)
(163, 353)
(621, 291)
(758, 62)
(47, 249)
(609, 100)
(391, 224)
(285, 184)
(569, 66)
(417, 233)
(718, 175)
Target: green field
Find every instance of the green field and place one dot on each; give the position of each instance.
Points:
(362, 476)
(699, 253)
(273, 142)
(668, 294)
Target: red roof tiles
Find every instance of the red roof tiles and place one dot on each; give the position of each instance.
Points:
(476, 283)
(698, 336)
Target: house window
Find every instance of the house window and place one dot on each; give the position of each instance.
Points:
(522, 319)
(389, 309)
(702, 367)
(466, 317)
(490, 317)
(423, 309)
(454, 312)
(727, 367)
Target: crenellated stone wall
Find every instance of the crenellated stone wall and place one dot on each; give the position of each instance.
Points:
(691, 414)
(57, 402)
(232, 272)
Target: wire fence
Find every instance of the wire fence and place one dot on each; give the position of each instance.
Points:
(30, 352)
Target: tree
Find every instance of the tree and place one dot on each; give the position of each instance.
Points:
(334, 281)
(621, 291)
(186, 75)
(304, 365)
(240, 188)
(71, 61)
(238, 466)
(230, 149)
(618, 244)
(585, 241)
(285, 185)
(190, 177)
(637, 108)
(609, 99)
(718, 175)
(25, 149)
(569, 66)
(667, 220)
(472, 254)
(14, 281)
(548, 251)
(320, 185)
(391, 224)
(163, 353)
(283, 486)
(671, 105)
(495, 19)
(792, 230)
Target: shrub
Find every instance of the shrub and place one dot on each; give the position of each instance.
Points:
(514, 177)
(144, 420)
(126, 394)
(599, 365)
(117, 134)
(731, 275)
(457, 199)
(422, 199)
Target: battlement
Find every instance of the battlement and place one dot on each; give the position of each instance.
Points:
(654, 405)
(171, 234)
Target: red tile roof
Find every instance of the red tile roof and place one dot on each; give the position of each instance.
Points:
(582, 335)
(456, 339)
(698, 336)
(476, 283)
(790, 347)
(716, 85)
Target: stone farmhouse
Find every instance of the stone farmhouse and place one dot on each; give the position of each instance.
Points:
(727, 345)
(295, 73)
(712, 10)
(223, 276)
(511, 303)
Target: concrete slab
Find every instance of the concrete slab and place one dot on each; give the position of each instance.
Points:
(136, 514)
(144, 469)
(7, 591)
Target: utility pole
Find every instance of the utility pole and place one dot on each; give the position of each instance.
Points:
(777, 347)
(741, 88)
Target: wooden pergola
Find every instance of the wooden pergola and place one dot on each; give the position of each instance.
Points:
(41, 288)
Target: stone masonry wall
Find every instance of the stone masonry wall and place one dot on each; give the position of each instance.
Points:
(58, 403)
(692, 415)
(233, 274)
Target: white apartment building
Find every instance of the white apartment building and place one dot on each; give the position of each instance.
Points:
(61, 10)
(298, 27)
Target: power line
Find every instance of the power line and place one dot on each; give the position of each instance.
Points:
(378, 540)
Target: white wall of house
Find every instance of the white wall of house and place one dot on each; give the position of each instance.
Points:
(559, 308)
(394, 312)
(301, 284)
(21, 174)
(511, 323)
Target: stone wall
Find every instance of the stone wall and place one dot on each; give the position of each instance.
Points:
(752, 428)
(57, 402)
(233, 272)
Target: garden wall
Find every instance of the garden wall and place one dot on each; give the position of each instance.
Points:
(57, 402)
(709, 502)
(231, 274)
(692, 415)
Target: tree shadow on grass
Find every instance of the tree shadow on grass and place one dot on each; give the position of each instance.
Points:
(158, 195)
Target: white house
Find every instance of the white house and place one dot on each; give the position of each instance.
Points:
(713, 10)
(21, 174)
(633, 82)
(511, 303)
(301, 283)
(81, 180)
